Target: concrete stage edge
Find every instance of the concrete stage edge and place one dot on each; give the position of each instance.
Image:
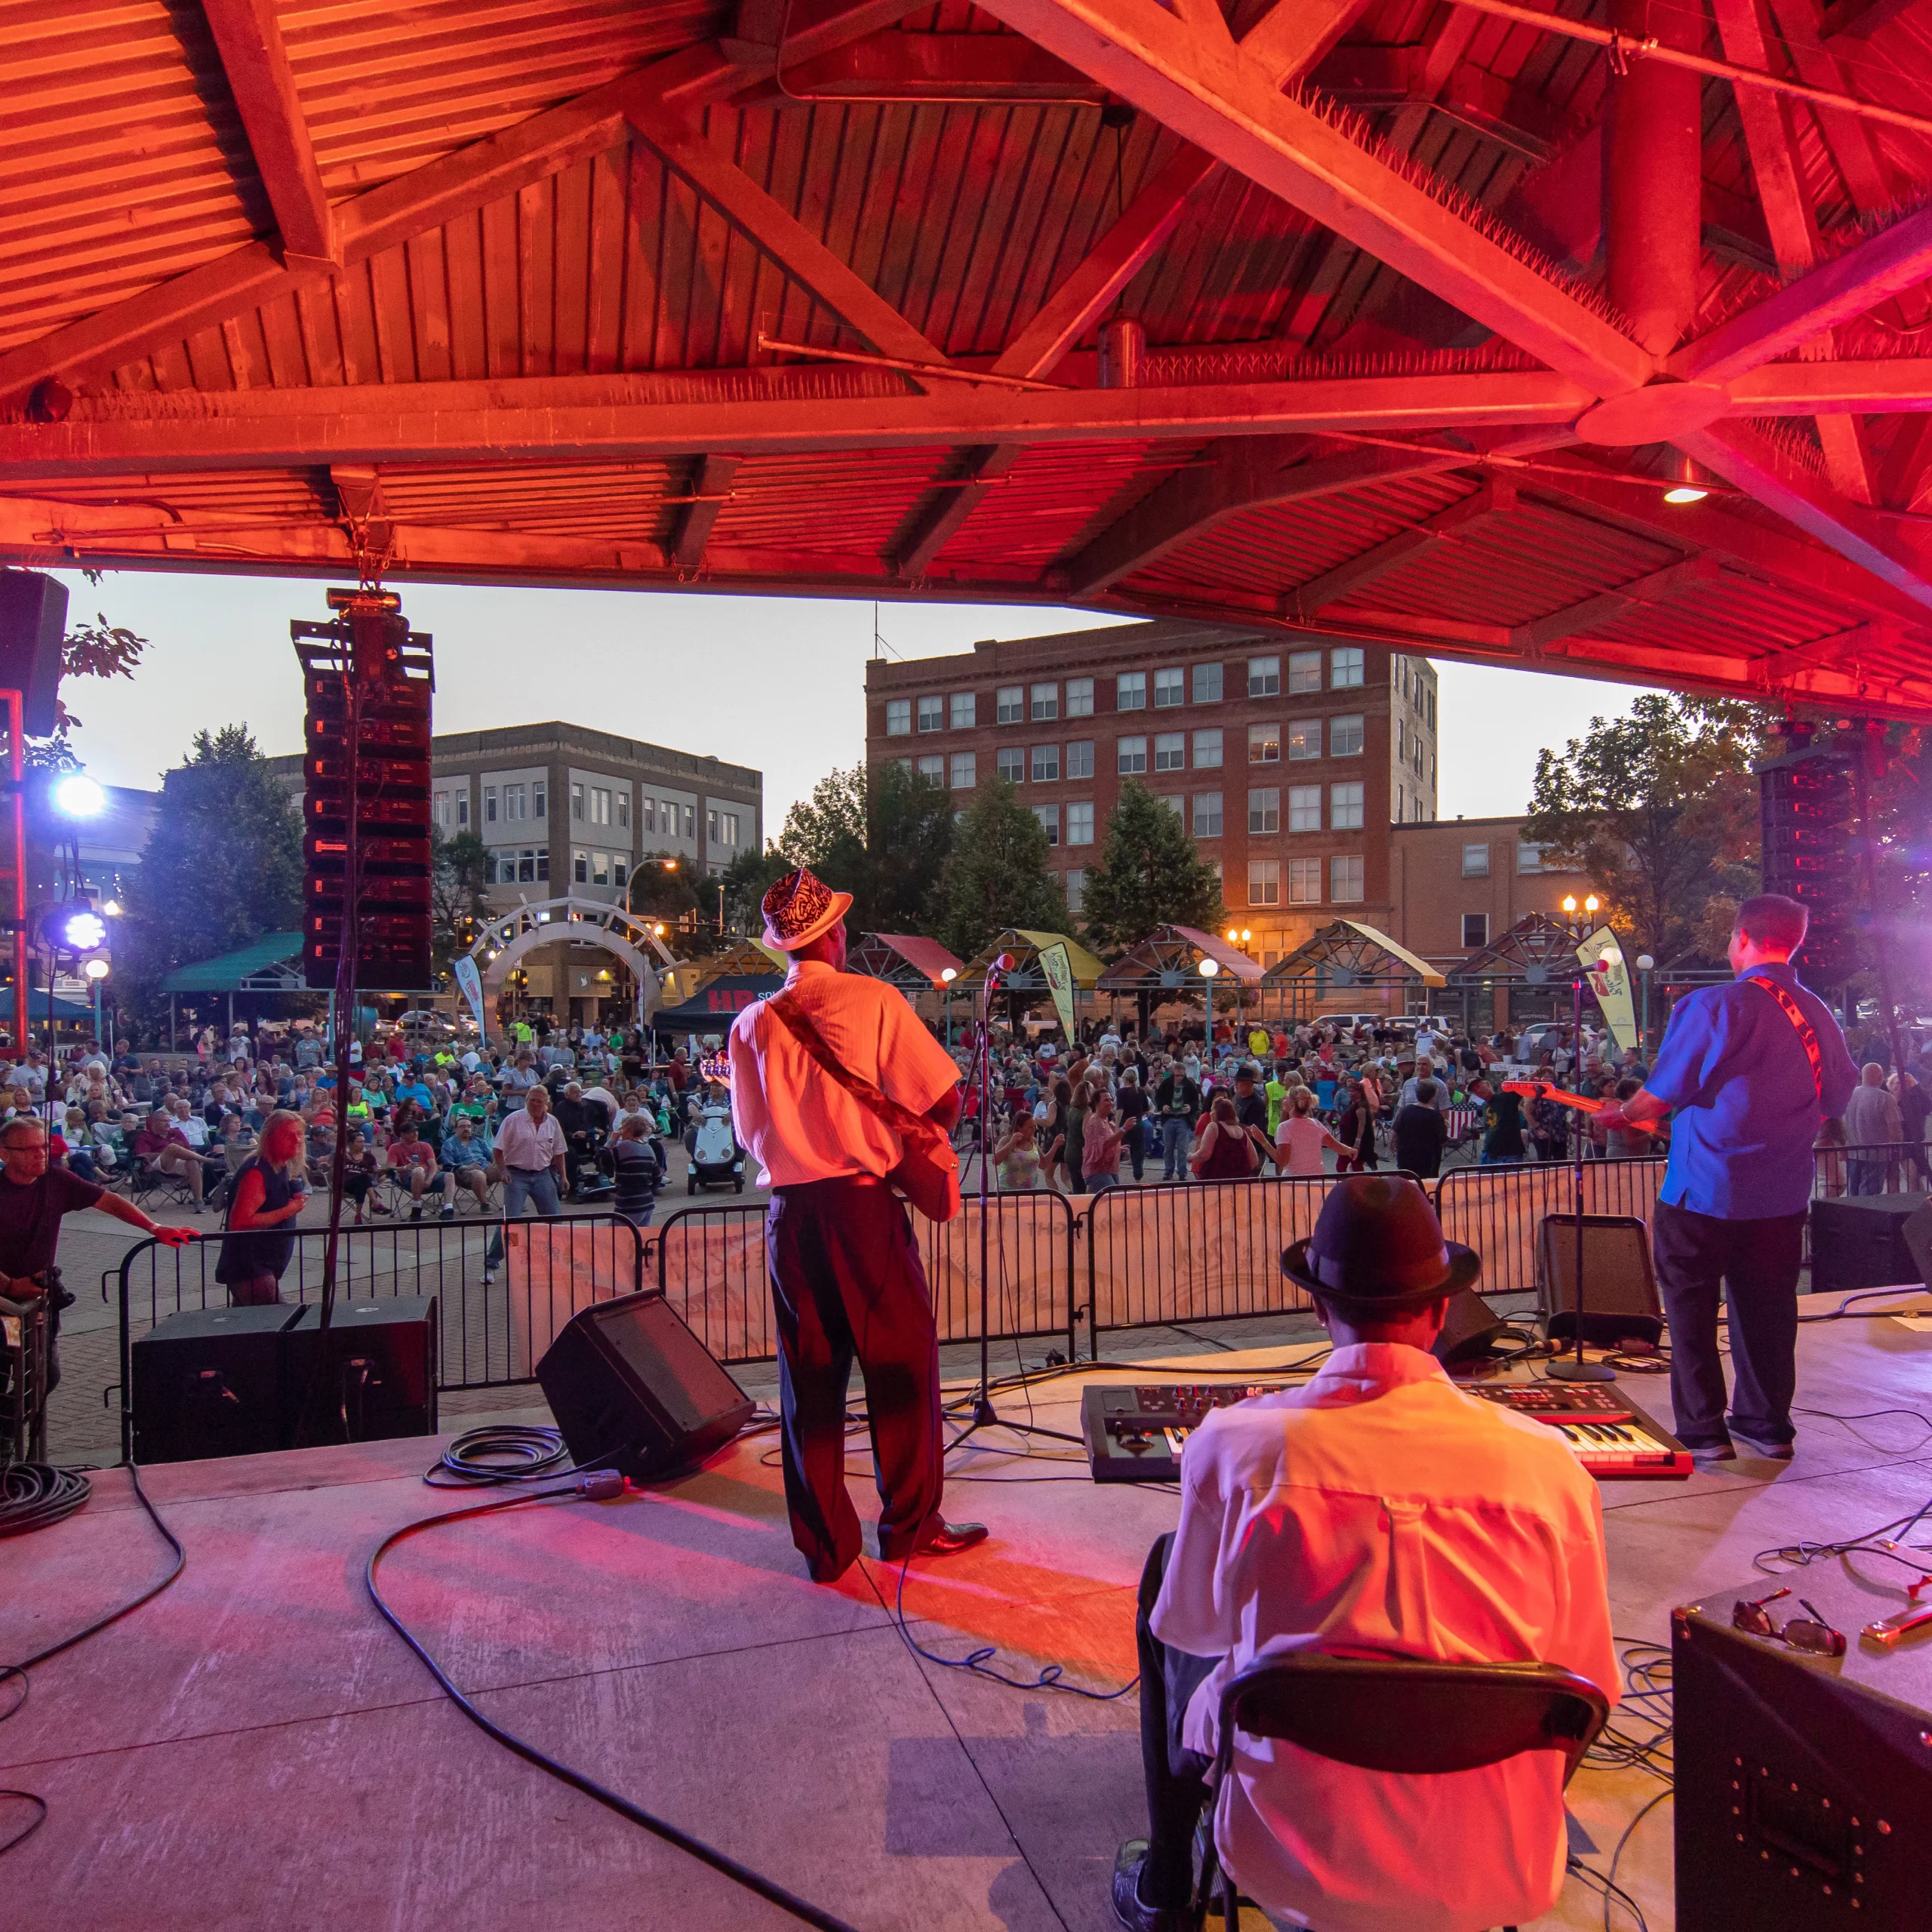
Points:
(257, 1749)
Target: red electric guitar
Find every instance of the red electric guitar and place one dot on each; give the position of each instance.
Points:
(1543, 1089)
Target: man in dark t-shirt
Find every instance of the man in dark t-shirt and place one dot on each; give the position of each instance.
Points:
(1502, 1127)
(1419, 1133)
(33, 1198)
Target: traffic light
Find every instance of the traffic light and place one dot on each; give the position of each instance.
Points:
(1807, 803)
(368, 678)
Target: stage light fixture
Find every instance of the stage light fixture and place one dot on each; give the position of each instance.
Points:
(78, 796)
(1687, 486)
(81, 931)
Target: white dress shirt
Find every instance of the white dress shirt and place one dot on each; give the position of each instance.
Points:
(521, 1143)
(1381, 1511)
(800, 1124)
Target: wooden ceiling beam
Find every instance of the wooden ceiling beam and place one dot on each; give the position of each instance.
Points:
(1224, 101)
(1658, 587)
(1242, 474)
(1293, 35)
(1903, 471)
(1741, 457)
(573, 418)
(931, 527)
(1495, 498)
(898, 66)
(248, 35)
(711, 481)
(1884, 388)
(1852, 141)
(774, 230)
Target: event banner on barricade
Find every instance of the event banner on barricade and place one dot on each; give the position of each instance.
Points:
(553, 1270)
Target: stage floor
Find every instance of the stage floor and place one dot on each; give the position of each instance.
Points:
(257, 1749)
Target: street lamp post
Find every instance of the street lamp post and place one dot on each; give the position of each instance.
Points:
(1575, 1368)
(1238, 936)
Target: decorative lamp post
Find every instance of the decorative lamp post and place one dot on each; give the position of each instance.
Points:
(1645, 965)
(946, 978)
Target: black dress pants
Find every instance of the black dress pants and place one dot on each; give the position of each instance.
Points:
(846, 1280)
(1754, 1265)
(1176, 1778)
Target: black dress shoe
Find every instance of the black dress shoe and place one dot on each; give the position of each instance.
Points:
(1128, 1909)
(1769, 1452)
(940, 1538)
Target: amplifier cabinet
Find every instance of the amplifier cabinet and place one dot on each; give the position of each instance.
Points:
(1859, 1241)
(208, 1382)
(380, 1379)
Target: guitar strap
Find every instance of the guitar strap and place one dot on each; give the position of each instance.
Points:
(1806, 1033)
(907, 1125)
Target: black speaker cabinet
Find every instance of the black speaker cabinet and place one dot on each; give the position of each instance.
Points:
(632, 1389)
(1620, 1282)
(1862, 1241)
(1803, 1784)
(1470, 1327)
(379, 1379)
(33, 621)
(208, 1382)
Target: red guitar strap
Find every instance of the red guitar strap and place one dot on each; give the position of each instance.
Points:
(1806, 1033)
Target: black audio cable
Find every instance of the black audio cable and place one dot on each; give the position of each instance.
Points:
(597, 1485)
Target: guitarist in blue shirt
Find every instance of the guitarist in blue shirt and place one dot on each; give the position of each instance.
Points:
(1749, 1070)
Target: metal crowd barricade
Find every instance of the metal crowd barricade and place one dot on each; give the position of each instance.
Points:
(1903, 1166)
(710, 1263)
(1496, 1209)
(491, 1331)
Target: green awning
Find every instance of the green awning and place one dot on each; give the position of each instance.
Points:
(265, 965)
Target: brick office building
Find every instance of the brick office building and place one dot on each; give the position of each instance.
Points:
(1289, 757)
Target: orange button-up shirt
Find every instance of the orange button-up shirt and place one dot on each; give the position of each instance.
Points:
(1381, 1511)
(798, 1124)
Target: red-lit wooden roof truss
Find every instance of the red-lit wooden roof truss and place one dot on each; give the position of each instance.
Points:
(1433, 295)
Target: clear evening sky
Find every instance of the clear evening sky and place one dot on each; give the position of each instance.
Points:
(775, 683)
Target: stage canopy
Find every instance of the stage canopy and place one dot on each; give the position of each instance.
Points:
(913, 964)
(1025, 974)
(716, 1004)
(1411, 315)
(269, 964)
(1170, 958)
(1347, 953)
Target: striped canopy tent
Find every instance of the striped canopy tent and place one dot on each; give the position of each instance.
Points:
(1348, 956)
(913, 965)
(1026, 974)
(1169, 960)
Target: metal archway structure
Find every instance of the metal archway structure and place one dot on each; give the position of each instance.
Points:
(570, 920)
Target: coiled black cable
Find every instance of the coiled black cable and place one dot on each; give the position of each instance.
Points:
(33, 1495)
(499, 1453)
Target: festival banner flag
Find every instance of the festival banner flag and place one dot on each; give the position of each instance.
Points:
(1058, 965)
(1609, 980)
(471, 981)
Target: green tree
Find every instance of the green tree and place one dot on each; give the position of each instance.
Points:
(882, 835)
(459, 874)
(1149, 874)
(1660, 809)
(222, 866)
(747, 879)
(662, 887)
(996, 876)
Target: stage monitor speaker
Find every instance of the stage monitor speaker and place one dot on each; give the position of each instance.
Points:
(1918, 1242)
(1864, 1241)
(1470, 1327)
(1620, 1300)
(208, 1382)
(633, 1389)
(380, 1380)
(1803, 1786)
(33, 624)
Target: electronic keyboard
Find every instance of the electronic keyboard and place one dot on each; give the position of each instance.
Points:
(1634, 1450)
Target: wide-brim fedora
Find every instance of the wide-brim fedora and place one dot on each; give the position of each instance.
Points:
(800, 908)
(1377, 1250)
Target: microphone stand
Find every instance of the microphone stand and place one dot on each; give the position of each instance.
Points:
(978, 1407)
(1575, 1368)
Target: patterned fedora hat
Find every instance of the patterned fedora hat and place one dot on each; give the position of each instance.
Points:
(800, 908)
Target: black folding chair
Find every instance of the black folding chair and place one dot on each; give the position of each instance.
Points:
(1408, 1717)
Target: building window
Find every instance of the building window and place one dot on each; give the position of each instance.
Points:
(1344, 880)
(725, 831)
(1130, 691)
(600, 804)
(1402, 739)
(1076, 889)
(1429, 708)
(1049, 818)
(1264, 677)
(538, 800)
(1264, 881)
(576, 801)
(1207, 814)
(1079, 698)
(1130, 756)
(965, 710)
(965, 771)
(443, 809)
(1304, 807)
(898, 717)
(1304, 738)
(932, 713)
(1304, 881)
(1080, 824)
(463, 807)
(489, 804)
(1529, 858)
(1264, 744)
(1170, 688)
(933, 770)
(516, 801)
(904, 763)
(1208, 748)
(1046, 702)
(580, 867)
(1345, 736)
(1304, 671)
(647, 814)
(1080, 759)
(1476, 862)
(1009, 705)
(1475, 929)
(1345, 807)
(1344, 667)
(600, 868)
(1171, 752)
(1400, 809)
(530, 866)
(1264, 810)
(623, 808)
(1207, 684)
(1012, 764)
(1046, 763)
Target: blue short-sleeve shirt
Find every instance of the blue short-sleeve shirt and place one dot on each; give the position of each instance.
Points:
(1747, 1108)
